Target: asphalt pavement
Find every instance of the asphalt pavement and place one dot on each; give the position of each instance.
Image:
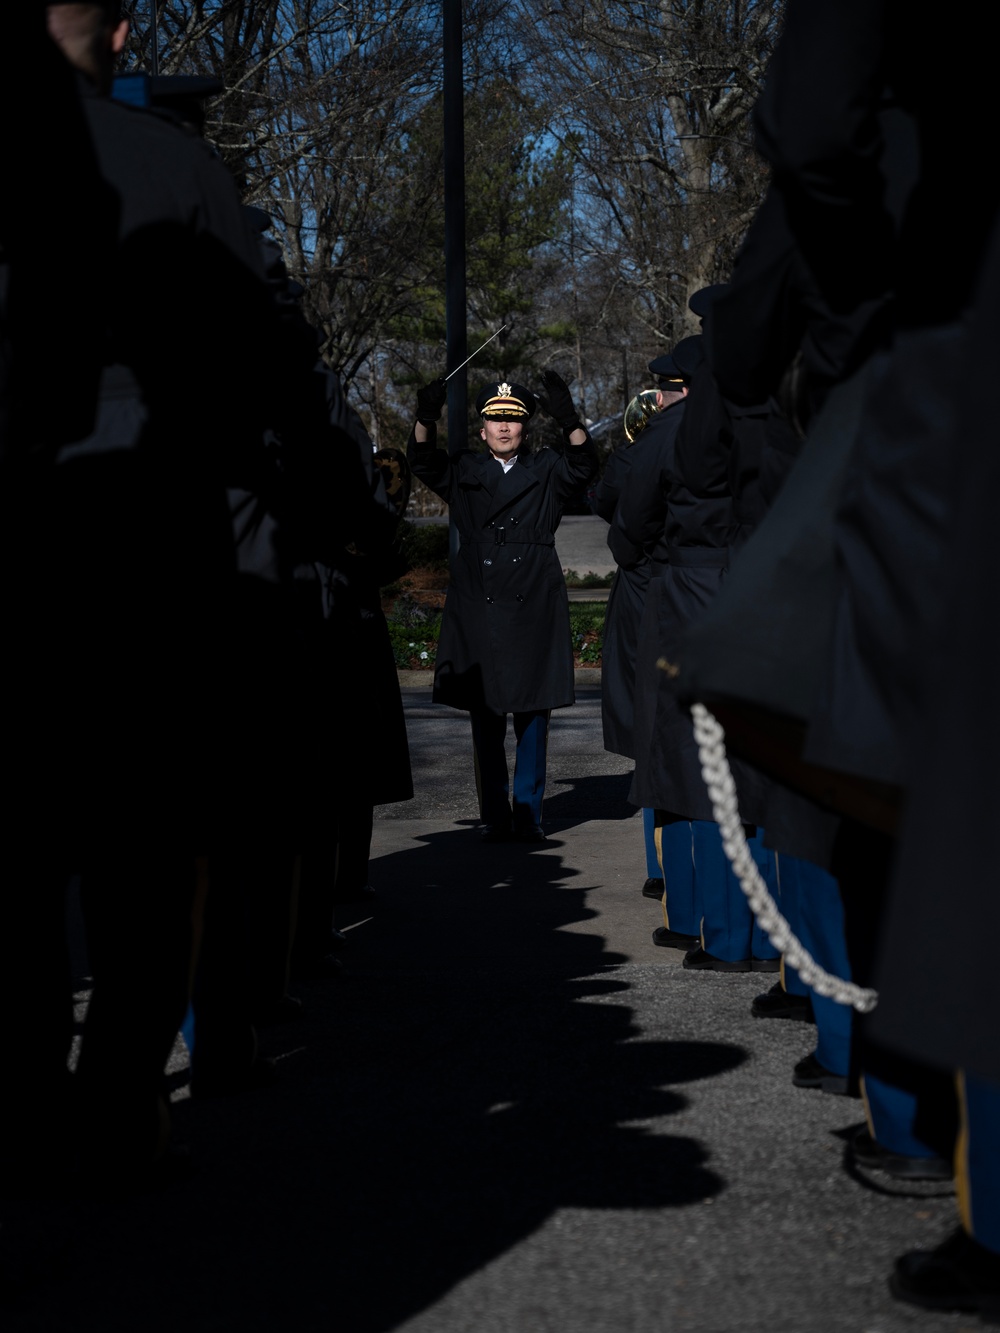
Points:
(513, 1114)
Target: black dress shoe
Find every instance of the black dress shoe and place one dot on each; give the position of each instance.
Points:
(653, 888)
(674, 939)
(809, 1073)
(698, 960)
(777, 1003)
(960, 1274)
(867, 1152)
(529, 833)
(765, 964)
(494, 833)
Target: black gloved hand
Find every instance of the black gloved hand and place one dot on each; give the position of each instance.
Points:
(430, 400)
(556, 400)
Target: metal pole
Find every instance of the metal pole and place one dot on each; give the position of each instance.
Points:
(454, 222)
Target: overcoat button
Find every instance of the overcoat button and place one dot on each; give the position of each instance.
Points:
(520, 598)
(492, 525)
(487, 562)
(516, 560)
(490, 600)
(514, 522)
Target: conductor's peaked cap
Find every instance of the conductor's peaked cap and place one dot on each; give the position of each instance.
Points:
(503, 401)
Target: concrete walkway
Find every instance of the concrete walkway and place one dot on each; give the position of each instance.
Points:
(512, 1115)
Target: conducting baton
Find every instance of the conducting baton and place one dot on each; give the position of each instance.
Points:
(475, 353)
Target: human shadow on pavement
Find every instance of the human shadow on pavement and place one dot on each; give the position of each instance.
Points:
(574, 800)
(478, 1069)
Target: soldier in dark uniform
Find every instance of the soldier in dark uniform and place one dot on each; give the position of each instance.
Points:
(626, 600)
(818, 126)
(118, 583)
(696, 536)
(505, 640)
(637, 539)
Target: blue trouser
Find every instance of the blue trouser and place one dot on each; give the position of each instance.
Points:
(788, 886)
(811, 896)
(729, 930)
(977, 1159)
(653, 868)
(681, 901)
(531, 732)
(891, 1111)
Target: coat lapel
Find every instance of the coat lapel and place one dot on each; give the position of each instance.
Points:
(510, 485)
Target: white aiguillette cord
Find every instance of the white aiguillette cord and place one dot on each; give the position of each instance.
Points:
(722, 790)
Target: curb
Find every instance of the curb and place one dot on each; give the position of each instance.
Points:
(584, 678)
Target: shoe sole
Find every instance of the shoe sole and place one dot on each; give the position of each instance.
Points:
(836, 1087)
(686, 942)
(798, 1015)
(718, 965)
(987, 1307)
(905, 1168)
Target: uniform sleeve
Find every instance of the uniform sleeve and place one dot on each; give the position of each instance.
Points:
(576, 469)
(703, 450)
(642, 508)
(615, 470)
(432, 465)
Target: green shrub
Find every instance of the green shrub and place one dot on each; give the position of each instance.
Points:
(414, 638)
(586, 626)
(588, 580)
(425, 545)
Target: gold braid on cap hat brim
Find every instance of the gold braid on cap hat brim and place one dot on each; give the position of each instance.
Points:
(504, 407)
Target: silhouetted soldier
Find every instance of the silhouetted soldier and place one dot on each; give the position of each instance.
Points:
(118, 576)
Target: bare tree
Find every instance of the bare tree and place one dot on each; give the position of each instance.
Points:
(653, 101)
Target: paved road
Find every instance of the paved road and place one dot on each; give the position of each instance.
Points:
(514, 1115)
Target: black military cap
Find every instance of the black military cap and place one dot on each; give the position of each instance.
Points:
(699, 301)
(506, 401)
(668, 374)
(675, 370)
(257, 217)
(688, 355)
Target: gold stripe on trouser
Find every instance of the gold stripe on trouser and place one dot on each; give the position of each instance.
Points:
(658, 844)
(777, 879)
(963, 1186)
(867, 1108)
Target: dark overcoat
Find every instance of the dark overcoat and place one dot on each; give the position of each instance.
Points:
(830, 165)
(639, 525)
(623, 615)
(942, 1005)
(698, 533)
(505, 639)
(117, 545)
